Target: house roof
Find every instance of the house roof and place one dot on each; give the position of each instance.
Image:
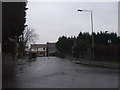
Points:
(41, 45)
(38, 45)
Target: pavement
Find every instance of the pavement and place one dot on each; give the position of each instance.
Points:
(112, 65)
(53, 72)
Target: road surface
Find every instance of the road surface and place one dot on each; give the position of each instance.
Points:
(53, 72)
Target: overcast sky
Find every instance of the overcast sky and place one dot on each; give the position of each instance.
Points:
(54, 19)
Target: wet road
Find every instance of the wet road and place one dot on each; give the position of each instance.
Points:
(54, 72)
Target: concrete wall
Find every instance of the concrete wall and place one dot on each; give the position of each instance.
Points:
(8, 65)
(0, 44)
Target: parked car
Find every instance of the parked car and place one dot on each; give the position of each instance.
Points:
(32, 56)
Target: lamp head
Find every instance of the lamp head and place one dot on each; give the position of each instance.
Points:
(80, 10)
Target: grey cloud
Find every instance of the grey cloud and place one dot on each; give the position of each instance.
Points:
(52, 20)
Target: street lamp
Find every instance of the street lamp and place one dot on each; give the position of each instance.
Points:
(91, 28)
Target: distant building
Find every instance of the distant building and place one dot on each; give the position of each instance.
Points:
(48, 49)
(51, 49)
(40, 49)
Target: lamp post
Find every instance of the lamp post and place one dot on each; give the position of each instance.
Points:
(91, 29)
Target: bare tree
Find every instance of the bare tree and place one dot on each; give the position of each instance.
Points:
(30, 36)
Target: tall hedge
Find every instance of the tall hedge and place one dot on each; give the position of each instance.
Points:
(13, 23)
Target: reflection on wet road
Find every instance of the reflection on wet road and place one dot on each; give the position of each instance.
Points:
(53, 72)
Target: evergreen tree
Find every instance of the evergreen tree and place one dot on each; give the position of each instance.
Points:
(13, 23)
